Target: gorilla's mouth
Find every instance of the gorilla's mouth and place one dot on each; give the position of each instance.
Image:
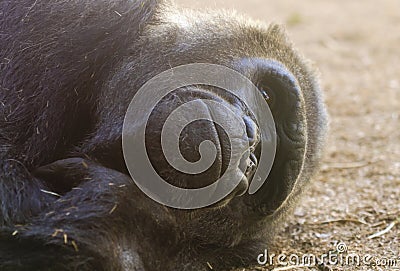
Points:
(251, 167)
(248, 165)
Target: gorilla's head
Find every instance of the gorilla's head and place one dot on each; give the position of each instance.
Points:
(266, 57)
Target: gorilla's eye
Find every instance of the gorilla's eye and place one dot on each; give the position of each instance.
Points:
(265, 94)
(268, 95)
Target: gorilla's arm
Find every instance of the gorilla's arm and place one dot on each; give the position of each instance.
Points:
(87, 227)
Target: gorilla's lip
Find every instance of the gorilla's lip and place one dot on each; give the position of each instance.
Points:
(249, 172)
(244, 185)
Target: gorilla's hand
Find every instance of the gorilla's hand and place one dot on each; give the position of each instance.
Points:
(93, 220)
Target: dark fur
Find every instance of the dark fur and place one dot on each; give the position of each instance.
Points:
(68, 70)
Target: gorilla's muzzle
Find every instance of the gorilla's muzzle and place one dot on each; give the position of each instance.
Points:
(286, 102)
(209, 118)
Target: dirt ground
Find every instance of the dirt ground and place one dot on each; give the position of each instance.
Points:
(355, 200)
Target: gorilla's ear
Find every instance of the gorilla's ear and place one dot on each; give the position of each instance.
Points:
(286, 102)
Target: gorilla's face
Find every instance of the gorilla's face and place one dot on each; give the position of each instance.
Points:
(180, 44)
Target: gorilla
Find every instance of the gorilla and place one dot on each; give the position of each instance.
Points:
(68, 72)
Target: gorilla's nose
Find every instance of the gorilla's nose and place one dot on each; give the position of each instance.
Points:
(219, 126)
(252, 131)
